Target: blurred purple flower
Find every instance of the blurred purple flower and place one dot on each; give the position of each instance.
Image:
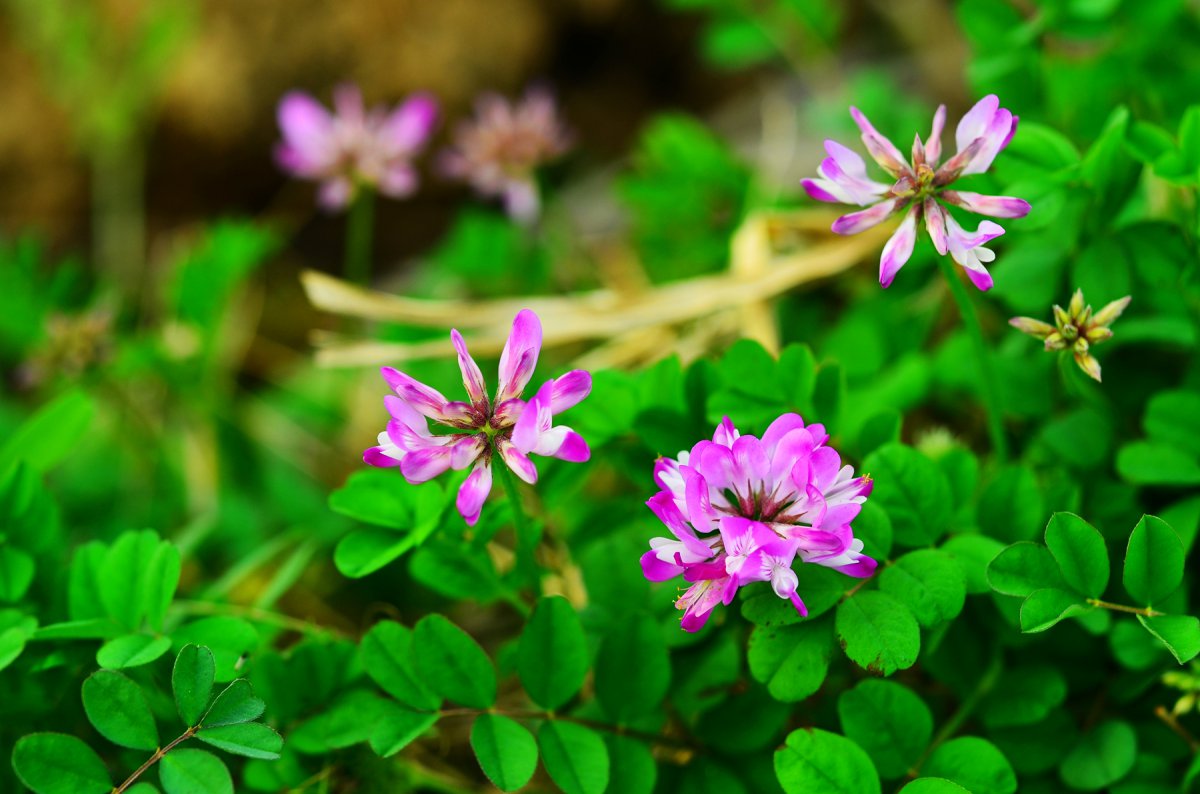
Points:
(741, 509)
(507, 425)
(982, 133)
(353, 147)
(499, 150)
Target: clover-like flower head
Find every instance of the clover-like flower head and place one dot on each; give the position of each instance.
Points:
(353, 147)
(918, 187)
(1075, 328)
(506, 426)
(742, 509)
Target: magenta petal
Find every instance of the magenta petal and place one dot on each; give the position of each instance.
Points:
(898, 249)
(520, 355)
(995, 206)
(855, 222)
(574, 449)
(976, 120)
(410, 125)
(534, 421)
(306, 125)
(473, 492)
(980, 278)
(398, 180)
(335, 194)
(375, 456)
(423, 399)
(935, 224)
(880, 148)
(472, 376)
(820, 190)
(933, 146)
(516, 460)
(656, 570)
(425, 464)
(569, 390)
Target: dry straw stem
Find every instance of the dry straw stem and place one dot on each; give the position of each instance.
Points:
(771, 253)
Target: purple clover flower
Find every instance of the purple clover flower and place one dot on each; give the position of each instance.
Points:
(741, 509)
(353, 147)
(507, 426)
(981, 135)
(499, 150)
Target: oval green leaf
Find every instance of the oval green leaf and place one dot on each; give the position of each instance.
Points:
(552, 657)
(934, 785)
(236, 704)
(878, 633)
(1102, 757)
(1079, 550)
(914, 492)
(397, 727)
(791, 660)
(452, 664)
(1022, 568)
(192, 680)
(1180, 633)
(818, 762)
(887, 720)
(1153, 561)
(194, 772)
(251, 739)
(1044, 608)
(118, 709)
(975, 764)
(633, 669)
(929, 582)
(387, 656)
(54, 763)
(506, 752)
(132, 650)
(575, 757)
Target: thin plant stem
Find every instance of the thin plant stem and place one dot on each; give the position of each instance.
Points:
(991, 386)
(154, 759)
(119, 214)
(527, 534)
(255, 615)
(1144, 611)
(359, 236)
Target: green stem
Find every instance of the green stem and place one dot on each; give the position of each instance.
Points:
(119, 213)
(1144, 611)
(991, 387)
(359, 232)
(154, 759)
(527, 533)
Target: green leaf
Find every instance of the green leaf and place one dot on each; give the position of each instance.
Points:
(123, 590)
(235, 704)
(375, 496)
(398, 727)
(16, 573)
(878, 632)
(552, 657)
(818, 762)
(506, 752)
(574, 756)
(1153, 561)
(227, 638)
(1080, 553)
(632, 769)
(192, 680)
(54, 763)
(1023, 568)
(51, 434)
(1101, 757)
(15, 631)
(1180, 633)
(791, 660)
(132, 650)
(1024, 696)
(934, 785)
(356, 716)
(633, 669)
(1010, 507)
(387, 656)
(1155, 463)
(913, 491)
(194, 772)
(118, 710)
(452, 664)
(1173, 417)
(973, 763)
(1044, 608)
(1107, 167)
(251, 739)
(889, 721)
(929, 583)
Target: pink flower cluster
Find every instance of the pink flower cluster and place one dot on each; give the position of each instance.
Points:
(918, 185)
(506, 426)
(742, 509)
(352, 146)
(497, 152)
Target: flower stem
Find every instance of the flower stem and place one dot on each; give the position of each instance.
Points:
(1144, 611)
(991, 387)
(528, 535)
(359, 232)
(154, 759)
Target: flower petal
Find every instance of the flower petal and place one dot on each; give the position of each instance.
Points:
(570, 389)
(472, 376)
(995, 206)
(935, 224)
(516, 460)
(855, 222)
(474, 491)
(933, 145)
(520, 355)
(410, 124)
(899, 248)
(880, 148)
